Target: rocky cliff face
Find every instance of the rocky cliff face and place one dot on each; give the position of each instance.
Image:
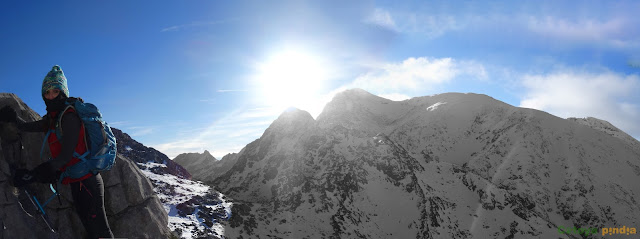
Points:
(129, 196)
(141, 154)
(443, 166)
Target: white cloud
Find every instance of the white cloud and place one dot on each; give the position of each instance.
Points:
(571, 93)
(415, 74)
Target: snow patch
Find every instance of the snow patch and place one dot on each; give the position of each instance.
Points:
(127, 148)
(172, 191)
(435, 106)
(152, 165)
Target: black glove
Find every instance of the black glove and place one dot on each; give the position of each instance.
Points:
(44, 173)
(23, 177)
(9, 132)
(7, 114)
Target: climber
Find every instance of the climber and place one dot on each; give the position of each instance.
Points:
(87, 190)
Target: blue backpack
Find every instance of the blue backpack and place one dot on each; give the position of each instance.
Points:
(101, 152)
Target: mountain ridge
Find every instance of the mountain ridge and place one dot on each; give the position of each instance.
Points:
(452, 165)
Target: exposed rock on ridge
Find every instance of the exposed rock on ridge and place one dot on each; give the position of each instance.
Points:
(608, 128)
(141, 154)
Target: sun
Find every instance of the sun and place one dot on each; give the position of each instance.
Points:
(291, 78)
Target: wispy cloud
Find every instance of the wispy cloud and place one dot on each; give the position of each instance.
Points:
(191, 25)
(210, 101)
(118, 124)
(578, 93)
(382, 17)
(616, 32)
(611, 27)
(137, 131)
(407, 22)
(226, 91)
(225, 135)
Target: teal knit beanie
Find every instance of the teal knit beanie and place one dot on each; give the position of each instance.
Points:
(55, 80)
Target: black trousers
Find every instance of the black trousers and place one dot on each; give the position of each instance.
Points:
(88, 197)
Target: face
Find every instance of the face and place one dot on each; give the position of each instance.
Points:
(51, 94)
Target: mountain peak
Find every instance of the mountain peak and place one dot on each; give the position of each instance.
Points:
(291, 120)
(359, 108)
(356, 94)
(294, 114)
(207, 155)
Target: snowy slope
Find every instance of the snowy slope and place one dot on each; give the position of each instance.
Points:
(443, 166)
(195, 210)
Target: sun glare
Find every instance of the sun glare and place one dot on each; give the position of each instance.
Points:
(291, 79)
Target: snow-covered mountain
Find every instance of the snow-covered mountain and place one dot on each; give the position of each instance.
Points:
(194, 209)
(204, 166)
(442, 166)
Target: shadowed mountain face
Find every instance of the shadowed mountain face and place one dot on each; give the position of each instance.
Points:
(205, 167)
(443, 166)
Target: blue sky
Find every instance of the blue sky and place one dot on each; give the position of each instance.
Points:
(189, 76)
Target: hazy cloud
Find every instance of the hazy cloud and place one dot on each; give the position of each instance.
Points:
(416, 73)
(572, 93)
(228, 134)
(395, 96)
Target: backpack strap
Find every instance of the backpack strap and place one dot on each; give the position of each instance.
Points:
(45, 141)
(59, 132)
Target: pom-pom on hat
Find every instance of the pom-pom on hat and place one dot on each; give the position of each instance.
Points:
(55, 79)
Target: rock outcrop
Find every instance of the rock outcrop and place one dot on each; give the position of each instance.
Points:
(133, 209)
(141, 154)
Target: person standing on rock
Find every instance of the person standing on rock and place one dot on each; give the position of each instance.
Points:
(88, 190)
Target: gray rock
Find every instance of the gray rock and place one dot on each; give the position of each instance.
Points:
(129, 196)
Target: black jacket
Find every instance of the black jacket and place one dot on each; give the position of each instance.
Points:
(71, 125)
